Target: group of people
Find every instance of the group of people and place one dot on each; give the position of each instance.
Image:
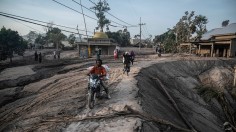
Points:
(38, 57)
(128, 57)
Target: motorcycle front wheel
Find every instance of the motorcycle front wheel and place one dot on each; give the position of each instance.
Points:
(91, 99)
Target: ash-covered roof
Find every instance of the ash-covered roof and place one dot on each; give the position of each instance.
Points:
(231, 28)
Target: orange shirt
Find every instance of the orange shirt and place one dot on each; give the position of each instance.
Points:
(98, 70)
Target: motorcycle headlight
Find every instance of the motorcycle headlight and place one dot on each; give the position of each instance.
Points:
(92, 82)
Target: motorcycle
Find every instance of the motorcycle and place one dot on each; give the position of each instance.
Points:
(94, 90)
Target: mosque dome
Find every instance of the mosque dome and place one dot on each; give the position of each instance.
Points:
(100, 35)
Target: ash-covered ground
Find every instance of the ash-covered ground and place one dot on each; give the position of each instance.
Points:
(158, 95)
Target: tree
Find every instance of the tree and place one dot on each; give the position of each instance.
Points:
(10, 43)
(148, 41)
(181, 32)
(55, 36)
(49, 26)
(41, 40)
(200, 22)
(225, 23)
(121, 37)
(31, 36)
(188, 25)
(100, 8)
(71, 39)
(166, 40)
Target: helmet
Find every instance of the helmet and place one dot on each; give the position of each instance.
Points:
(126, 53)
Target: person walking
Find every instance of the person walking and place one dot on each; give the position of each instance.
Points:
(126, 61)
(40, 57)
(98, 53)
(115, 54)
(35, 56)
(132, 56)
(54, 54)
(58, 54)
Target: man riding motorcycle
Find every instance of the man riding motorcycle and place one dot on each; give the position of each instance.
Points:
(99, 70)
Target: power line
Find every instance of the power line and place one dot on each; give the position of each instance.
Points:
(92, 2)
(42, 21)
(95, 13)
(91, 11)
(116, 18)
(74, 10)
(143, 36)
(145, 28)
(84, 6)
(27, 26)
(37, 23)
(84, 19)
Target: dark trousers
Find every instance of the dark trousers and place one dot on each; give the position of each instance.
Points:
(127, 65)
(105, 88)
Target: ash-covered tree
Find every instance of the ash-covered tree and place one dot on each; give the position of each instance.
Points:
(55, 36)
(166, 40)
(188, 25)
(200, 22)
(71, 39)
(41, 40)
(225, 23)
(11, 43)
(100, 8)
(121, 37)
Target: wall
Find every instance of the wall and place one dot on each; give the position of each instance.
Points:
(233, 47)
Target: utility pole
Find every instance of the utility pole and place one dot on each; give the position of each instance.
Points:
(140, 24)
(89, 50)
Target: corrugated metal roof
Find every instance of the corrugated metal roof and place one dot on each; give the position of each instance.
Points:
(231, 28)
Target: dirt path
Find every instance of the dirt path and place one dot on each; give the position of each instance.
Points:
(58, 101)
(33, 106)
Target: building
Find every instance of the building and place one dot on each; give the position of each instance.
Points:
(135, 42)
(99, 41)
(219, 42)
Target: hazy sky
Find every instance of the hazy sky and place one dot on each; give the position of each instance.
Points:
(158, 15)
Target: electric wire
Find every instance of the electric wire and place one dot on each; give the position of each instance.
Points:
(74, 10)
(27, 26)
(143, 36)
(42, 21)
(38, 23)
(130, 25)
(145, 28)
(95, 13)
